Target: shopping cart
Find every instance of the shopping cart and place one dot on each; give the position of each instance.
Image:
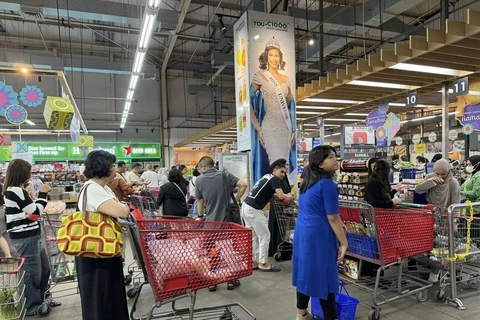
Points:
(147, 206)
(62, 266)
(12, 289)
(180, 257)
(387, 238)
(457, 251)
(286, 215)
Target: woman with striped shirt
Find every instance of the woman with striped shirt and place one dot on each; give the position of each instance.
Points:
(22, 215)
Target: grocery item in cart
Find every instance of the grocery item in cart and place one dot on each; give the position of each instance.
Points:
(55, 207)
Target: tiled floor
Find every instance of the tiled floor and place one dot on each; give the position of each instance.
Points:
(270, 296)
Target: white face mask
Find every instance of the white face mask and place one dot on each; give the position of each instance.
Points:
(469, 169)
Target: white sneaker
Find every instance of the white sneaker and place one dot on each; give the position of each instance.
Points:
(308, 316)
(433, 277)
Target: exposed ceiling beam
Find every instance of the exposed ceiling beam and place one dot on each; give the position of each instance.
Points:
(214, 3)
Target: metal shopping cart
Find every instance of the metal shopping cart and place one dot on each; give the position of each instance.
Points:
(286, 215)
(180, 257)
(12, 289)
(387, 238)
(147, 205)
(456, 256)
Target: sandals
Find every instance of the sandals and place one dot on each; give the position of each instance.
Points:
(273, 268)
(233, 284)
(54, 304)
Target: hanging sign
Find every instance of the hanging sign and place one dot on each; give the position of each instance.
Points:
(432, 137)
(460, 86)
(376, 119)
(416, 139)
(470, 118)
(398, 141)
(420, 148)
(452, 135)
(411, 100)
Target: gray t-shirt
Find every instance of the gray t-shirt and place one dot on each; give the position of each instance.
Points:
(3, 222)
(209, 186)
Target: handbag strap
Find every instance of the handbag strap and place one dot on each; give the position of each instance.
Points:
(176, 185)
(225, 187)
(84, 200)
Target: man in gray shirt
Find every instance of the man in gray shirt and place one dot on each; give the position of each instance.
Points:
(212, 196)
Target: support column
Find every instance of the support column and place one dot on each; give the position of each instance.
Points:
(164, 129)
(443, 14)
(445, 120)
(320, 40)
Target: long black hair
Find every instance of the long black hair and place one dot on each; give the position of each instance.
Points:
(381, 173)
(313, 172)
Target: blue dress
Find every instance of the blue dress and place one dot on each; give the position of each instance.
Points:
(315, 246)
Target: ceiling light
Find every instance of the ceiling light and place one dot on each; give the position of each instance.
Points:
(102, 131)
(153, 4)
(311, 42)
(256, 37)
(224, 135)
(126, 109)
(129, 95)
(325, 125)
(147, 27)
(330, 135)
(382, 85)
(337, 119)
(332, 101)
(308, 112)
(316, 108)
(138, 62)
(425, 118)
(24, 70)
(357, 114)
(29, 122)
(398, 104)
(133, 82)
(429, 69)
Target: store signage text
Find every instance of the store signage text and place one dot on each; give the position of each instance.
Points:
(275, 25)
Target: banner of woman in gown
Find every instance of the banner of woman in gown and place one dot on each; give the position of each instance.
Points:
(270, 55)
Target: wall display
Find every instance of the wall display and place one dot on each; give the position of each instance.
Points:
(242, 84)
(416, 138)
(237, 164)
(7, 97)
(16, 114)
(452, 135)
(358, 135)
(432, 137)
(270, 59)
(58, 113)
(31, 96)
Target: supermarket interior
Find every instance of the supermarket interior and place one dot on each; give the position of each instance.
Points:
(240, 159)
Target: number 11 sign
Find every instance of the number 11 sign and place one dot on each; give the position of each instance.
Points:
(460, 86)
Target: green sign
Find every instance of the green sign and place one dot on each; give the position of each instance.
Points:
(61, 151)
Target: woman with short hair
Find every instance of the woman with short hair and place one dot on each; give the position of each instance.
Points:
(172, 195)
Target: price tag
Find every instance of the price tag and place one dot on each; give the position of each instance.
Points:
(411, 100)
(460, 86)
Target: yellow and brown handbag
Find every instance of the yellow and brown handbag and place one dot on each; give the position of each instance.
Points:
(90, 234)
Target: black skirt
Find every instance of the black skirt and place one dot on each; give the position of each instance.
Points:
(102, 288)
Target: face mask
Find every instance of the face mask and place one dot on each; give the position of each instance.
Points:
(469, 169)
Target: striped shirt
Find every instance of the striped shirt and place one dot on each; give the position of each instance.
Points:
(22, 212)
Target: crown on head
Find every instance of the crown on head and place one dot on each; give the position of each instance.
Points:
(272, 43)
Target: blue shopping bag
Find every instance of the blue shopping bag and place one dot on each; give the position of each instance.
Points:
(346, 305)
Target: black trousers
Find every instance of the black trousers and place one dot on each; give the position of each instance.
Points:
(102, 289)
(329, 306)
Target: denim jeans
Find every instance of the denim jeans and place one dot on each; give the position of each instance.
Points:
(36, 268)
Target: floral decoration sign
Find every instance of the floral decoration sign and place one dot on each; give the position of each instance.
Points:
(376, 119)
(32, 96)
(470, 119)
(7, 97)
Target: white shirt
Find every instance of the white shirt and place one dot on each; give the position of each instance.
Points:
(191, 186)
(151, 177)
(131, 177)
(96, 196)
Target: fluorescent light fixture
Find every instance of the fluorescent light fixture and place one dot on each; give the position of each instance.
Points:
(336, 119)
(130, 95)
(388, 85)
(138, 62)
(314, 125)
(425, 118)
(357, 114)
(316, 108)
(29, 122)
(470, 92)
(429, 69)
(309, 112)
(147, 28)
(102, 131)
(398, 104)
(331, 135)
(153, 4)
(133, 82)
(342, 101)
(126, 109)
(233, 135)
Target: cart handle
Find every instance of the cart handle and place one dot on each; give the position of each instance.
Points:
(429, 207)
(20, 265)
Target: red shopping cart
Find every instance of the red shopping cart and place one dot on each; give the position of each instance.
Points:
(387, 238)
(181, 257)
(12, 304)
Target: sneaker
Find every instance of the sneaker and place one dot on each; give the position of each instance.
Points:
(308, 316)
(433, 277)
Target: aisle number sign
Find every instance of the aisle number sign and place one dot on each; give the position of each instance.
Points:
(460, 86)
(61, 151)
(411, 100)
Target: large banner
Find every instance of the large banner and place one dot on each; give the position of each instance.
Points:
(270, 57)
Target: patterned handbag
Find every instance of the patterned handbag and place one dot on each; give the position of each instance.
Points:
(90, 234)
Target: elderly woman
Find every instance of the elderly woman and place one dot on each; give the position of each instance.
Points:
(100, 281)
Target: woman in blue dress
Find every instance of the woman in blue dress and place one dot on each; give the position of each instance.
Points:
(318, 232)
